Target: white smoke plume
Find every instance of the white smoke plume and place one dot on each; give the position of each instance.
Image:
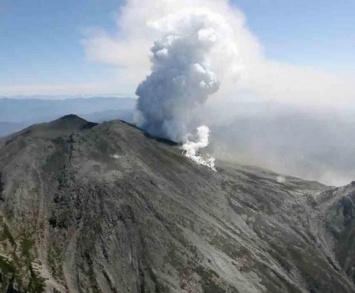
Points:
(264, 78)
(183, 76)
(192, 147)
(241, 105)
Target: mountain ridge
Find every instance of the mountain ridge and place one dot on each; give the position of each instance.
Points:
(107, 208)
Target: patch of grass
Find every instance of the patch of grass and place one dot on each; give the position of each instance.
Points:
(159, 288)
(7, 235)
(26, 247)
(36, 284)
(209, 280)
(17, 268)
(7, 267)
(55, 261)
(92, 278)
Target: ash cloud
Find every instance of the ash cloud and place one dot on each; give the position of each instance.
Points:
(182, 77)
(250, 86)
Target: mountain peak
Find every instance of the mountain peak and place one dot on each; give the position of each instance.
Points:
(62, 126)
(71, 117)
(106, 208)
(69, 121)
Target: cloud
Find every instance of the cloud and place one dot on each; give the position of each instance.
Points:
(300, 85)
(48, 89)
(129, 49)
(292, 119)
(194, 45)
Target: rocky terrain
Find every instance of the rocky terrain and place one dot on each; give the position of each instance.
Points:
(107, 208)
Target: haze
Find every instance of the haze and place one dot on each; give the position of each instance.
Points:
(289, 109)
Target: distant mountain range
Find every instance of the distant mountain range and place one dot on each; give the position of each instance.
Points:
(17, 113)
(9, 127)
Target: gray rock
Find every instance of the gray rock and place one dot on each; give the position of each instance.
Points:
(106, 208)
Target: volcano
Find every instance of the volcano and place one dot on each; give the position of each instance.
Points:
(88, 207)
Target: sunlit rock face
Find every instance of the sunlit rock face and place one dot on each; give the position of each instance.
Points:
(108, 208)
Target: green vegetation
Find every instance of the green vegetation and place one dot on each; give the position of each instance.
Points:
(16, 261)
(92, 278)
(209, 280)
(55, 261)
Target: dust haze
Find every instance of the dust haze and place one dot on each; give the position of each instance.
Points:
(311, 143)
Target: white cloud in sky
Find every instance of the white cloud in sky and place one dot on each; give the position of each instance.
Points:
(51, 89)
(129, 49)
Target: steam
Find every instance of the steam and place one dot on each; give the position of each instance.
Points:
(237, 111)
(183, 76)
(192, 147)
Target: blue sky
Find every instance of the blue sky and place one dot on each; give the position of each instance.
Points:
(316, 33)
(41, 40)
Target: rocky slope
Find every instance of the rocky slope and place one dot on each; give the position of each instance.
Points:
(106, 208)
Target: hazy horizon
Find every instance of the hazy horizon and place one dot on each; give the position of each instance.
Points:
(284, 100)
(290, 141)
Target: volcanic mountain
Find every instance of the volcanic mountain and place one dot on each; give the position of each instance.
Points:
(105, 207)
